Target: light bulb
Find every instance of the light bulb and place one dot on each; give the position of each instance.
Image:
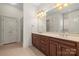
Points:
(65, 5)
(41, 13)
(60, 8)
(59, 4)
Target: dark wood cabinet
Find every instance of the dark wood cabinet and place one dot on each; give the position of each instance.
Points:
(52, 46)
(44, 44)
(61, 47)
(36, 40)
(41, 42)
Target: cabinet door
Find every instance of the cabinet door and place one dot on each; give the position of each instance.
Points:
(45, 49)
(36, 40)
(53, 48)
(33, 40)
(44, 45)
(67, 50)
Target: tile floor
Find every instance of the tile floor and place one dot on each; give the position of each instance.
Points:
(16, 49)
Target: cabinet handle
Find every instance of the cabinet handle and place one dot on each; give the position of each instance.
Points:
(73, 49)
(68, 50)
(59, 46)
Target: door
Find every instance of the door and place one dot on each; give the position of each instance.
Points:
(11, 30)
(67, 50)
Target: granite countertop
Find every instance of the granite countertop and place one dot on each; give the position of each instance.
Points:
(60, 35)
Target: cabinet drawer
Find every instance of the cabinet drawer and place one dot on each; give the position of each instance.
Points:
(45, 42)
(64, 41)
(44, 38)
(54, 42)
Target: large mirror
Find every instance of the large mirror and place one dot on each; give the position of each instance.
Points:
(64, 21)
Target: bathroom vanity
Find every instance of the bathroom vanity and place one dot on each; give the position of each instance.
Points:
(55, 44)
(59, 32)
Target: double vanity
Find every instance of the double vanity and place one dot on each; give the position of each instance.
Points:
(53, 44)
(59, 32)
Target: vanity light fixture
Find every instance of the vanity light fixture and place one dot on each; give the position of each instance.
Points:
(41, 13)
(61, 6)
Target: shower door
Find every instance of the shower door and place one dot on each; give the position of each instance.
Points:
(10, 30)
